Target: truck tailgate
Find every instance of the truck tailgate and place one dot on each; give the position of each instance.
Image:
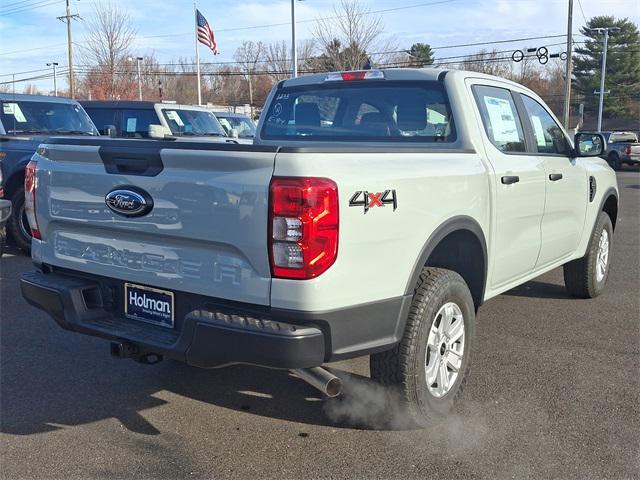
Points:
(206, 232)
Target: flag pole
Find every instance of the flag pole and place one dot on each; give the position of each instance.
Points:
(195, 13)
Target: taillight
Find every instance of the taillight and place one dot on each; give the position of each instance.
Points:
(303, 226)
(627, 149)
(30, 186)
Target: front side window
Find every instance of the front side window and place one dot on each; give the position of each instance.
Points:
(196, 123)
(548, 136)
(245, 127)
(500, 118)
(382, 111)
(45, 118)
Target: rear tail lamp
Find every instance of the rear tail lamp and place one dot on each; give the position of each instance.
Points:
(627, 149)
(30, 186)
(303, 226)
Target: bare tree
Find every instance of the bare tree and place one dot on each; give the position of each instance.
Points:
(248, 55)
(278, 58)
(347, 37)
(107, 46)
(491, 63)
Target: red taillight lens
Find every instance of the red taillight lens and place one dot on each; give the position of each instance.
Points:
(30, 186)
(627, 149)
(303, 226)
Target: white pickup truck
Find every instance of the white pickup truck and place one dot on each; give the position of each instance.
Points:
(375, 214)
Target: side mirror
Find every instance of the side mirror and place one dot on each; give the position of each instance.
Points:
(110, 131)
(157, 131)
(589, 144)
(233, 133)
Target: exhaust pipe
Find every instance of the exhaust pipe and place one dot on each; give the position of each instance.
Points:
(321, 379)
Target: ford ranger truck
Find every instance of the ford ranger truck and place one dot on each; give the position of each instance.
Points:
(375, 214)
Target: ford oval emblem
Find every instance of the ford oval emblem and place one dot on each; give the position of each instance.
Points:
(129, 201)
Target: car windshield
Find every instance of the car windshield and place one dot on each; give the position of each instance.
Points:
(20, 117)
(245, 127)
(197, 123)
(383, 111)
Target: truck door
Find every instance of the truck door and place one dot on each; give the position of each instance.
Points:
(519, 186)
(566, 185)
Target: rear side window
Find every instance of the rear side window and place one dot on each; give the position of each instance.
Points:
(548, 136)
(135, 123)
(361, 111)
(101, 117)
(500, 118)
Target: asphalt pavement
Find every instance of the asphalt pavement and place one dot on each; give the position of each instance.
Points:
(553, 393)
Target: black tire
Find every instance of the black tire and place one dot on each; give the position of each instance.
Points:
(404, 367)
(614, 161)
(17, 225)
(580, 276)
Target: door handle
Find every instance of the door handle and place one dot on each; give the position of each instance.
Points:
(554, 177)
(509, 179)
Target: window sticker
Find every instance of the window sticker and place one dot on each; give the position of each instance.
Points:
(502, 118)
(14, 109)
(173, 115)
(538, 131)
(131, 124)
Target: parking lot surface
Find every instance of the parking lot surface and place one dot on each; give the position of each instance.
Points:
(553, 393)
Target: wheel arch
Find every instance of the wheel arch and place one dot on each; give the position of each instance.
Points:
(609, 205)
(444, 249)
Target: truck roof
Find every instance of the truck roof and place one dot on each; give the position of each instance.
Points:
(401, 74)
(23, 97)
(136, 104)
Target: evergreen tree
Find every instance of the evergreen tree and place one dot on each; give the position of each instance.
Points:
(420, 55)
(622, 78)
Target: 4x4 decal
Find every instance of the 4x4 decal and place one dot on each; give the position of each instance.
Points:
(369, 200)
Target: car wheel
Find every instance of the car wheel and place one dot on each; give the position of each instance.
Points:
(587, 276)
(17, 224)
(614, 161)
(430, 364)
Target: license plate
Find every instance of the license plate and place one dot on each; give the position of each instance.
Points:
(148, 304)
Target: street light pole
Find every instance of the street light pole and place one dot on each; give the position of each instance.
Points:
(139, 59)
(294, 50)
(568, 67)
(605, 31)
(55, 77)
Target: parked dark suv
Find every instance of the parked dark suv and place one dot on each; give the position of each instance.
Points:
(25, 122)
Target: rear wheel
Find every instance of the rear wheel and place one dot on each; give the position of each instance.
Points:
(18, 225)
(614, 161)
(430, 364)
(587, 276)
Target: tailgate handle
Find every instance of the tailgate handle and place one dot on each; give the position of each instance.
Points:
(143, 161)
(131, 165)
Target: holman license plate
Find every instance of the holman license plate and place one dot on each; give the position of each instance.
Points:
(148, 304)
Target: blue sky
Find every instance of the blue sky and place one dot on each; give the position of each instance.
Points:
(31, 38)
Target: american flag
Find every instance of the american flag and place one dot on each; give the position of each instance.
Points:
(205, 34)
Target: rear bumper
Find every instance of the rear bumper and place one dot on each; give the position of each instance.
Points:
(213, 333)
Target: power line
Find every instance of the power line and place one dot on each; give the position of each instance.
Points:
(26, 8)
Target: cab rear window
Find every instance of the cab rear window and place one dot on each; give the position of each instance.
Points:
(361, 111)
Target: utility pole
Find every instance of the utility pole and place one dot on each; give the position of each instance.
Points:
(55, 77)
(569, 68)
(294, 50)
(139, 59)
(605, 31)
(67, 18)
